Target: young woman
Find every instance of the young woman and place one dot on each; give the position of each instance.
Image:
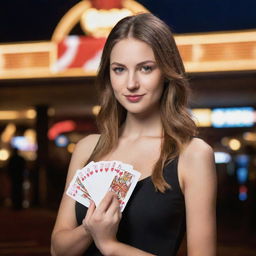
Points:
(144, 122)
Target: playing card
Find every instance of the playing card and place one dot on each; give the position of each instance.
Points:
(99, 182)
(78, 191)
(94, 180)
(84, 173)
(123, 184)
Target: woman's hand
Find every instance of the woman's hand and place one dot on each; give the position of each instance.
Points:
(102, 222)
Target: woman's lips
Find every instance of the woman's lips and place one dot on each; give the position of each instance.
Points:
(134, 98)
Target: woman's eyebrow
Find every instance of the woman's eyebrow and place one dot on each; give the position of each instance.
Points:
(116, 63)
(138, 64)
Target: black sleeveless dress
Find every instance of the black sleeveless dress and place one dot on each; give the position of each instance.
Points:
(151, 221)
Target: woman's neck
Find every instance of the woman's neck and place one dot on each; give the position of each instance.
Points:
(137, 126)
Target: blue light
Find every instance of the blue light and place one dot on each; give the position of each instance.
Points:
(242, 175)
(242, 160)
(242, 196)
(61, 141)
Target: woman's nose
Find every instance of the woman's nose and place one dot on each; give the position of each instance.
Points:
(132, 82)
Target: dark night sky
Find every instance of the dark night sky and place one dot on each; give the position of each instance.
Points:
(32, 20)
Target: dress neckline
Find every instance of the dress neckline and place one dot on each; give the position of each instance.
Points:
(148, 177)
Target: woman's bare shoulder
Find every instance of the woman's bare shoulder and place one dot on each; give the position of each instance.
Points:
(82, 152)
(85, 146)
(196, 148)
(196, 159)
(87, 143)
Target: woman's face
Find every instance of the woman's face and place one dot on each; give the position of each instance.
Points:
(136, 79)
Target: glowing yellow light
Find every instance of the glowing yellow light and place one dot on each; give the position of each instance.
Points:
(4, 154)
(8, 133)
(71, 147)
(30, 134)
(17, 114)
(234, 144)
(31, 114)
(96, 110)
(249, 136)
(8, 115)
(202, 117)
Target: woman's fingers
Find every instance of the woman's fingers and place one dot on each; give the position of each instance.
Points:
(114, 207)
(106, 202)
(90, 212)
(91, 209)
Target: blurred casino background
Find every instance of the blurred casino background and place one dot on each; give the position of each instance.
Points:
(49, 53)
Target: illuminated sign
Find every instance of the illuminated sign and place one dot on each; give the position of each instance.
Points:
(98, 23)
(232, 117)
(224, 117)
(67, 56)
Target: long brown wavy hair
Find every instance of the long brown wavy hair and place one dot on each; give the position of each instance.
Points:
(178, 127)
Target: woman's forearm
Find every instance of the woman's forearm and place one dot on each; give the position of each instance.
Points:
(120, 249)
(70, 242)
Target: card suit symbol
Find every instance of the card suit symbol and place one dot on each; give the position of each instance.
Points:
(106, 169)
(117, 170)
(101, 170)
(91, 172)
(96, 171)
(120, 173)
(88, 174)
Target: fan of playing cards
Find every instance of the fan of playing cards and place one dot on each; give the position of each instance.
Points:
(94, 180)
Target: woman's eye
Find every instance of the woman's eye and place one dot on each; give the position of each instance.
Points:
(146, 69)
(118, 70)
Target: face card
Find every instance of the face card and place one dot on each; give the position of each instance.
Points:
(123, 185)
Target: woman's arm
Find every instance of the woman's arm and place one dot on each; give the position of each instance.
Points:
(198, 175)
(120, 249)
(67, 237)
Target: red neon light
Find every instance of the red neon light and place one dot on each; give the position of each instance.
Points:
(60, 127)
